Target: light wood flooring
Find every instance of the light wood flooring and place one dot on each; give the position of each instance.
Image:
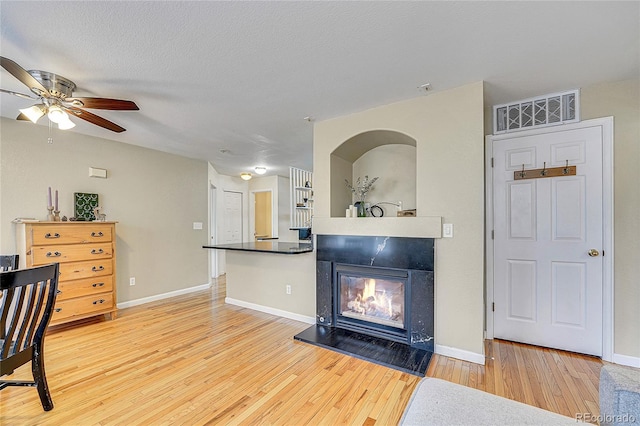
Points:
(193, 360)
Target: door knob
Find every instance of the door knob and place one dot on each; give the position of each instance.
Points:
(593, 253)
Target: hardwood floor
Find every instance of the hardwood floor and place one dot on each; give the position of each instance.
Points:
(194, 360)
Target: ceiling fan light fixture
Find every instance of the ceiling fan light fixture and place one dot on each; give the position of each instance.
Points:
(245, 176)
(261, 170)
(33, 113)
(57, 115)
(66, 124)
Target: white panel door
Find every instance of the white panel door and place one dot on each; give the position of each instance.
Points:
(547, 286)
(232, 217)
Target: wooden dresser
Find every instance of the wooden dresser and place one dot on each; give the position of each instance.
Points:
(87, 257)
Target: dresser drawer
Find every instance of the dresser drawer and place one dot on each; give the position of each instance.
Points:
(82, 306)
(91, 268)
(84, 287)
(71, 234)
(70, 252)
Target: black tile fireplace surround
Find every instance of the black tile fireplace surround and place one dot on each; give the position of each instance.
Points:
(396, 328)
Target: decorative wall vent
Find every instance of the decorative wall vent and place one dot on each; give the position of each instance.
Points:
(546, 110)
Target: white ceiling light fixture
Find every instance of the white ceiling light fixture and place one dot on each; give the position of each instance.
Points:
(33, 113)
(60, 117)
(57, 115)
(54, 113)
(66, 124)
(261, 170)
(245, 175)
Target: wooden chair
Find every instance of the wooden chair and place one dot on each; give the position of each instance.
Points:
(8, 262)
(28, 297)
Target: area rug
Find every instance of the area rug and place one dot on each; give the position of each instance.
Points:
(438, 402)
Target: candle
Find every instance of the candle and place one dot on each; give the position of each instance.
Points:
(56, 200)
(50, 203)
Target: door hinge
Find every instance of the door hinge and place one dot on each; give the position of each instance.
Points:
(602, 253)
(491, 161)
(492, 234)
(493, 306)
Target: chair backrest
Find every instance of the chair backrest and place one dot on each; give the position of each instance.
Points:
(8, 262)
(28, 297)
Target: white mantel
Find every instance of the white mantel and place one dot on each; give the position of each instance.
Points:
(416, 227)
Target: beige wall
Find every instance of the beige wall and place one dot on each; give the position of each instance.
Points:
(449, 131)
(340, 200)
(395, 165)
(622, 101)
(261, 279)
(155, 197)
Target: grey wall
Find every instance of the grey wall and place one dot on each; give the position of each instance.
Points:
(154, 197)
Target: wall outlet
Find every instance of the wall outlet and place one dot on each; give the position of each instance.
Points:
(288, 289)
(132, 281)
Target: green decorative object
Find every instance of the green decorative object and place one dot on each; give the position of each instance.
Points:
(83, 206)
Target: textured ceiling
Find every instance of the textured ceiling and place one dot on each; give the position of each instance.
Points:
(241, 76)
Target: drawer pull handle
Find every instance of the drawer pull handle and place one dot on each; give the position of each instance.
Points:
(96, 269)
(97, 234)
(99, 251)
(54, 254)
(58, 291)
(48, 235)
(97, 285)
(95, 302)
(58, 309)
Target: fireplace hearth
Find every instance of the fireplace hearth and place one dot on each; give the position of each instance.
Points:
(374, 299)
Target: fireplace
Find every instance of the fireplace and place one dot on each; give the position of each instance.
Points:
(377, 290)
(371, 300)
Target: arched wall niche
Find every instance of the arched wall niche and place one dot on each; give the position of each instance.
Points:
(386, 154)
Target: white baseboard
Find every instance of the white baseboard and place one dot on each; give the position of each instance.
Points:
(272, 311)
(627, 360)
(460, 354)
(162, 296)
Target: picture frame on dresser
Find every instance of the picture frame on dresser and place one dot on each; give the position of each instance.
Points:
(86, 252)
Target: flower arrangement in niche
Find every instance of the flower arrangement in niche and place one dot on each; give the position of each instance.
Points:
(361, 190)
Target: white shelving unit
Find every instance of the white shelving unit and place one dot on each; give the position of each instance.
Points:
(301, 197)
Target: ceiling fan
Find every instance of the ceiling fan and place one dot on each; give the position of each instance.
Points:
(57, 102)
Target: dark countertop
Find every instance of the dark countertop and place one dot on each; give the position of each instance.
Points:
(272, 246)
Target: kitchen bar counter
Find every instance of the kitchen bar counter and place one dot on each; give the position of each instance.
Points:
(278, 247)
(258, 277)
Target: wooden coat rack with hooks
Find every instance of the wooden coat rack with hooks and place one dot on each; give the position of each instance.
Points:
(544, 172)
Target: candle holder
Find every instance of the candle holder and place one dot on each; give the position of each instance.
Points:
(50, 216)
(56, 215)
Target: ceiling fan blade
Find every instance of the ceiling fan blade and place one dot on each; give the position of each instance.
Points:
(103, 103)
(23, 75)
(94, 119)
(20, 95)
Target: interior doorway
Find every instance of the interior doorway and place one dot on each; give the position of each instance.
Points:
(262, 215)
(549, 282)
(232, 217)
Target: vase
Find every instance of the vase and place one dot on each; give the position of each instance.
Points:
(362, 211)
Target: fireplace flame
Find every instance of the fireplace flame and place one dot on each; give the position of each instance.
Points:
(372, 303)
(369, 289)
